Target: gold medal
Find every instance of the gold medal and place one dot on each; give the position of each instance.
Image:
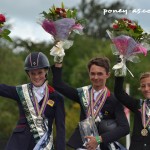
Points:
(145, 118)
(144, 132)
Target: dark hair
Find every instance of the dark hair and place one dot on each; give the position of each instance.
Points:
(100, 61)
(144, 75)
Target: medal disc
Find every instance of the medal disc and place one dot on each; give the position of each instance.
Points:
(144, 132)
(39, 121)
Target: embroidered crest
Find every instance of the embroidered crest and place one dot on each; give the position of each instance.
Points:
(50, 103)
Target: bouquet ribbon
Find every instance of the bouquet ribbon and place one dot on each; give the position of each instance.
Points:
(59, 48)
(122, 65)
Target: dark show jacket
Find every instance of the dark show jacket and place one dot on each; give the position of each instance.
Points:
(138, 142)
(22, 138)
(112, 109)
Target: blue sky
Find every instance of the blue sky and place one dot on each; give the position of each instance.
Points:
(23, 15)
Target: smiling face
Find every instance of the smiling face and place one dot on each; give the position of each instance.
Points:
(98, 77)
(37, 76)
(145, 87)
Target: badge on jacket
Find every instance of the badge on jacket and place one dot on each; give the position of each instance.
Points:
(106, 113)
(50, 103)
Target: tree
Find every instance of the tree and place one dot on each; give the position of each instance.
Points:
(97, 22)
(12, 73)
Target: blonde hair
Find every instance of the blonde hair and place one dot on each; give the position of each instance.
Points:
(144, 75)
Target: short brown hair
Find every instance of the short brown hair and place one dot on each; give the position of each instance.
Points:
(144, 75)
(100, 61)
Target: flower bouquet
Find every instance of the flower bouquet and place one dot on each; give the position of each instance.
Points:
(4, 32)
(60, 22)
(128, 40)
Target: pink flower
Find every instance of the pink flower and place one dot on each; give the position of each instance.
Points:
(141, 49)
(2, 18)
(78, 27)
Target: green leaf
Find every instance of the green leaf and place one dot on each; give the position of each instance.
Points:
(53, 7)
(7, 38)
(68, 14)
(62, 5)
(52, 10)
(82, 21)
(74, 13)
(4, 34)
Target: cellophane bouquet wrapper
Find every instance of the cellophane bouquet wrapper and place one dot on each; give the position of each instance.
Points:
(88, 127)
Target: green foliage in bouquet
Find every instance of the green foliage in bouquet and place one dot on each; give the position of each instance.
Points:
(56, 13)
(130, 28)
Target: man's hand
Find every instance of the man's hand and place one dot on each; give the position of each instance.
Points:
(92, 144)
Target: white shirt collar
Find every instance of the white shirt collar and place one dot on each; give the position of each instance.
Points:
(39, 92)
(96, 93)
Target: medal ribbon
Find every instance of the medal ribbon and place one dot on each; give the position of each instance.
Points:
(101, 98)
(144, 122)
(40, 110)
